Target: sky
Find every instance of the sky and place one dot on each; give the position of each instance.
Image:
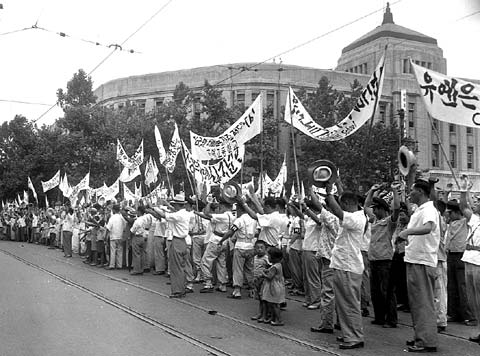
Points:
(34, 63)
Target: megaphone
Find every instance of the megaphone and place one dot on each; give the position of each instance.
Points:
(321, 172)
(406, 159)
(231, 191)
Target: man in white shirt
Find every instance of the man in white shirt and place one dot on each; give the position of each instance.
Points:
(140, 229)
(220, 224)
(243, 232)
(347, 263)
(471, 258)
(116, 226)
(423, 234)
(179, 223)
(67, 231)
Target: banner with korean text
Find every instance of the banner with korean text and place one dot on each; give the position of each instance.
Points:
(216, 173)
(245, 128)
(173, 150)
(130, 162)
(449, 99)
(52, 183)
(364, 109)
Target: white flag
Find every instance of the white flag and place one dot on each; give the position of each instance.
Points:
(32, 188)
(25, 196)
(46, 202)
(161, 150)
(449, 99)
(128, 175)
(296, 115)
(130, 162)
(52, 183)
(111, 191)
(245, 128)
(64, 186)
(128, 194)
(150, 172)
(175, 147)
(138, 190)
(265, 182)
(276, 187)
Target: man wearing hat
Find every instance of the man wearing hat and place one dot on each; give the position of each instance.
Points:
(423, 234)
(380, 254)
(455, 243)
(179, 223)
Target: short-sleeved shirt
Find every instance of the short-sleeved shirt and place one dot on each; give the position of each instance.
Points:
(312, 234)
(179, 222)
(220, 223)
(423, 249)
(457, 232)
(142, 225)
(473, 239)
(328, 233)
(272, 225)
(116, 225)
(381, 246)
(295, 230)
(68, 223)
(346, 254)
(245, 228)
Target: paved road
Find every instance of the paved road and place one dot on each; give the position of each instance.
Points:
(52, 305)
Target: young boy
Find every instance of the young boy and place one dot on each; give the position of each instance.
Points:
(260, 265)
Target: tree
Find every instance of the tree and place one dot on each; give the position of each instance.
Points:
(79, 91)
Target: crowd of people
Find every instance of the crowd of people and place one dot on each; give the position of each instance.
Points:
(340, 252)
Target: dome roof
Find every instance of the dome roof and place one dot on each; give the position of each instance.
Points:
(389, 29)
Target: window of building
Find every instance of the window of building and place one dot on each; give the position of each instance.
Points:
(435, 155)
(382, 109)
(429, 65)
(453, 156)
(406, 66)
(254, 95)
(270, 98)
(469, 130)
(451, 128)
(355, 69)
(470, 157)
(423, 64)
(159, 102)
(240, 98)
(411, 115)
(435, 124)
(365, 68)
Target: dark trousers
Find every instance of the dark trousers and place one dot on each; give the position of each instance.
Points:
(458, 307)
(296, 268)
(399, 278)
(383, 292)
(67, 243)
(421, 286)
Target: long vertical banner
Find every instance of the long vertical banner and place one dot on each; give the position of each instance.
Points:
(245, 128)
(174, 149)
(449, 99)
(364, 109)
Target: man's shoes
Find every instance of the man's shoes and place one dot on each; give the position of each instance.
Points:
(389, 326)
(365, 312)
(313, 306)
(189, 290)
(221, 288)
(415, 348)
(410, 342)
(470, 322)
(351, 345)
(109, 268)
(441, 329)
(318, 329)
(234, 296)
(474, 339)
(206, 290)
(158, 273)
(305, 305)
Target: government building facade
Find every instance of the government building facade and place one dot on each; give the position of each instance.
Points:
(357, 61)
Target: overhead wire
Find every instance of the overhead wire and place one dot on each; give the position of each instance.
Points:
(114, 50)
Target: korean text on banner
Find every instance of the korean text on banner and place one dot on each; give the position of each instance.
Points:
(449, 99)
(216, 173)
(52, 183)
(174, 149)
(364, 109)
(245, 128)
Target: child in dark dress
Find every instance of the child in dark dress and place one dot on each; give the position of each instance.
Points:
(273, 289)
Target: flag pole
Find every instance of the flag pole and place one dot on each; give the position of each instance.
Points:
(197, 194)
(294, 150)
(443, 150)
(261, 149)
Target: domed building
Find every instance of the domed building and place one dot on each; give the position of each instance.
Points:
(357, 61)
